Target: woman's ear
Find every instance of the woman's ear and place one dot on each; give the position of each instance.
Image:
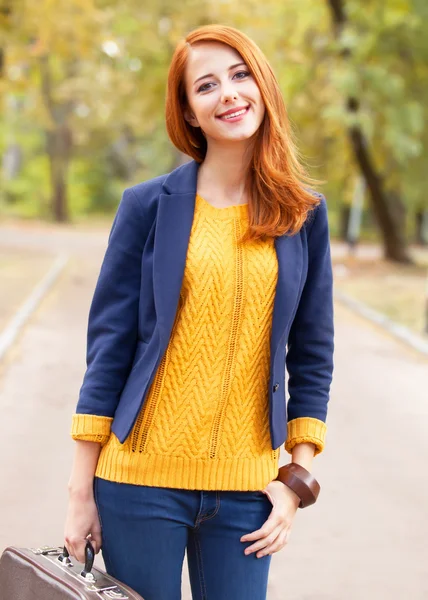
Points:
(190, 118)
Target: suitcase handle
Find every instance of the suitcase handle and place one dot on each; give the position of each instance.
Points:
(89, 559)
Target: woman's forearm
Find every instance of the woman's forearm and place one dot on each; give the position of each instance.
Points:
(83, 470)
(303, 455)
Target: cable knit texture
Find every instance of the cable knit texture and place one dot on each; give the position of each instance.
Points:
(205, 421)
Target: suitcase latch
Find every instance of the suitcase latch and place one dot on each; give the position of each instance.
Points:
(46, 550)
(113, 592)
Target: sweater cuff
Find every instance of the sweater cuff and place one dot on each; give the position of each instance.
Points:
(306, 429)
(91, 428)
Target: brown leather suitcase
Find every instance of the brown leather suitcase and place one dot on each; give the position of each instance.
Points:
(48, 573)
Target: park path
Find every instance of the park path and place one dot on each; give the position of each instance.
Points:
(366, 538)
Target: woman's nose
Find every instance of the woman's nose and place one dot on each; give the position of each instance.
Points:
(229, 95)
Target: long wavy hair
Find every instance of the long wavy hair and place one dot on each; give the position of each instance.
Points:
(279, 196)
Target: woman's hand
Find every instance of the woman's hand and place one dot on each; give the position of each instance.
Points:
(274, 533)
(82, 520)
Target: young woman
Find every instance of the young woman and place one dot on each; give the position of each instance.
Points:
(216, 277)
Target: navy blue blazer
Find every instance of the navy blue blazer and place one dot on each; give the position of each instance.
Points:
(136, 299)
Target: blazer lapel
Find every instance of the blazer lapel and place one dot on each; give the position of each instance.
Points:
(290, 267)
(173, 226)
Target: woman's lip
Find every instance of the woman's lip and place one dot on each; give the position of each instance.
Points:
(247, 108)
(232, 110)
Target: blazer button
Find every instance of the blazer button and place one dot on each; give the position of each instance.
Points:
(275, 387)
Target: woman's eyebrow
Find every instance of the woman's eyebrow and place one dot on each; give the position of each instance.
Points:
(212, 74)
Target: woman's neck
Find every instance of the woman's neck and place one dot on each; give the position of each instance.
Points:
(223, 174)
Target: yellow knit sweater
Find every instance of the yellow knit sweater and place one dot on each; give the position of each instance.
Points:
(204, 424)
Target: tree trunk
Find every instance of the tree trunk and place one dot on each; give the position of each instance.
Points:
(5, 13)
(421, 226)
(59, 150)
(58, 142)
(392, 230)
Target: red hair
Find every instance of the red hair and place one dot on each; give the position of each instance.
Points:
(277, 183)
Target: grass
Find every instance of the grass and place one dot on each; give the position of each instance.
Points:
(395, 290)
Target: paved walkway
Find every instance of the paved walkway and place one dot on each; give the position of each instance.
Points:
(365, 539)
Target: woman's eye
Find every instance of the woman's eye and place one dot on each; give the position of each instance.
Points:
(239, 75)
(244, 73)
(203, 87)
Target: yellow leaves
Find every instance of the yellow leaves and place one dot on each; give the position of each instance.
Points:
(109, 60)
(66, 27)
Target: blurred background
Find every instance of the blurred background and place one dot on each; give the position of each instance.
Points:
(82, 115)
(82, 86)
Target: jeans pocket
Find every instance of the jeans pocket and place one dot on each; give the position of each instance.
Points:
(261, 496)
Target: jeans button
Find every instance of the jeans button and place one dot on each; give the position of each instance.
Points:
(275, 387)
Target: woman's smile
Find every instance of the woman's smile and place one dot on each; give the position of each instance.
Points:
(234, 115)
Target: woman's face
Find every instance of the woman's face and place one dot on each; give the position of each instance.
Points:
(224, 99)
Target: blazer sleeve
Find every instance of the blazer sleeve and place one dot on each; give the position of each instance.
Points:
(309, 358)
(113, 323)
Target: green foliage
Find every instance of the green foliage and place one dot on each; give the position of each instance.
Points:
(100, 67)
(27, 196)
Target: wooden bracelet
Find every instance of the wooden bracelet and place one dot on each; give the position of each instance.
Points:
(303, 483)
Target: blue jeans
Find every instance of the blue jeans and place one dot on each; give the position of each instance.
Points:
(146, 530)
